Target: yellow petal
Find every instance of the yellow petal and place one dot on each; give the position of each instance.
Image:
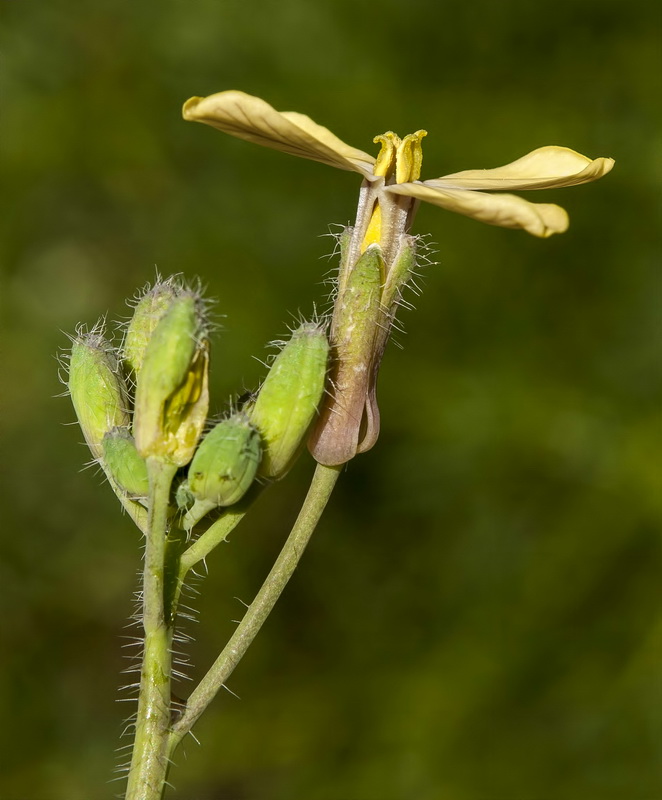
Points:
(544, 168)
(254, 120)
(505, 210)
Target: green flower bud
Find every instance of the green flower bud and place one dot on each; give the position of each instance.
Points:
(287, 401)
(223, 467)
(97, 389)
(122, 462)
(148, 311)
(172, 395)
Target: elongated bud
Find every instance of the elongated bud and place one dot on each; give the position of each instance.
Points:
(223, 467)
(148, 311)
(288, 399)
(123, 464)
(172, 395)
(97, 390)
(357, 319)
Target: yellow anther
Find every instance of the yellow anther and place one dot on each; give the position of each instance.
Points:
(409, 158)
(386, 159)
(399, 159)
(373, 234)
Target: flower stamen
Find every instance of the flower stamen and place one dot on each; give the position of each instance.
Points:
(387, 158)
(409, 158)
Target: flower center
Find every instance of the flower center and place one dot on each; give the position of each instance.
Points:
(399, 158)
(399, 161)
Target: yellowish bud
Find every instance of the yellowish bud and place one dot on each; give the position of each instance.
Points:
(172, 395)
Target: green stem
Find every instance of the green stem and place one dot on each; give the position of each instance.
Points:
(319, 492)
(206, 542)
(212, 537)
(149, 761)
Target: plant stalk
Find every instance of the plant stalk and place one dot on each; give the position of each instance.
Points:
(318, 495)
(149, 762)
(199, 549)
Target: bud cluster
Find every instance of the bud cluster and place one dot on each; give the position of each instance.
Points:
(149, 400)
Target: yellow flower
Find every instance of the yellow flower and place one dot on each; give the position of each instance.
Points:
(253, 119)
(378, 254)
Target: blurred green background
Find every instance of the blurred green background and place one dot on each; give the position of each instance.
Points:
(479, 615)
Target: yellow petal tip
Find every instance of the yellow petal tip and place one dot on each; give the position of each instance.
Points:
(608, 165)
(189, 107)
(554, 219)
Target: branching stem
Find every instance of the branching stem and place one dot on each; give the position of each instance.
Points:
(203, 545)
(156, 738)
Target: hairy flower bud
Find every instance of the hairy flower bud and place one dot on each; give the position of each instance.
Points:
(148, 311)
(288, 399)
(123, 464)
(172, 394)
(223, 467)
(97, 389)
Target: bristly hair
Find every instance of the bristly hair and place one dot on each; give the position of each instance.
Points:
(330, 278)
(316, 321)
(180, 287)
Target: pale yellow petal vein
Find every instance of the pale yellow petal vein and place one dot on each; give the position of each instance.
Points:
(254, 120)
(504, 210)
(545, 168)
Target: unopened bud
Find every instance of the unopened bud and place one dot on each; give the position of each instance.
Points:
(148, 310)
(123, 464)
(97, 389)
(172, 394)
(223, 467)
(288, 399)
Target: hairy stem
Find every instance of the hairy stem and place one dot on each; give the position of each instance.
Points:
(319, 492)
(149, 761)
(213, 536)
(206, 542)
